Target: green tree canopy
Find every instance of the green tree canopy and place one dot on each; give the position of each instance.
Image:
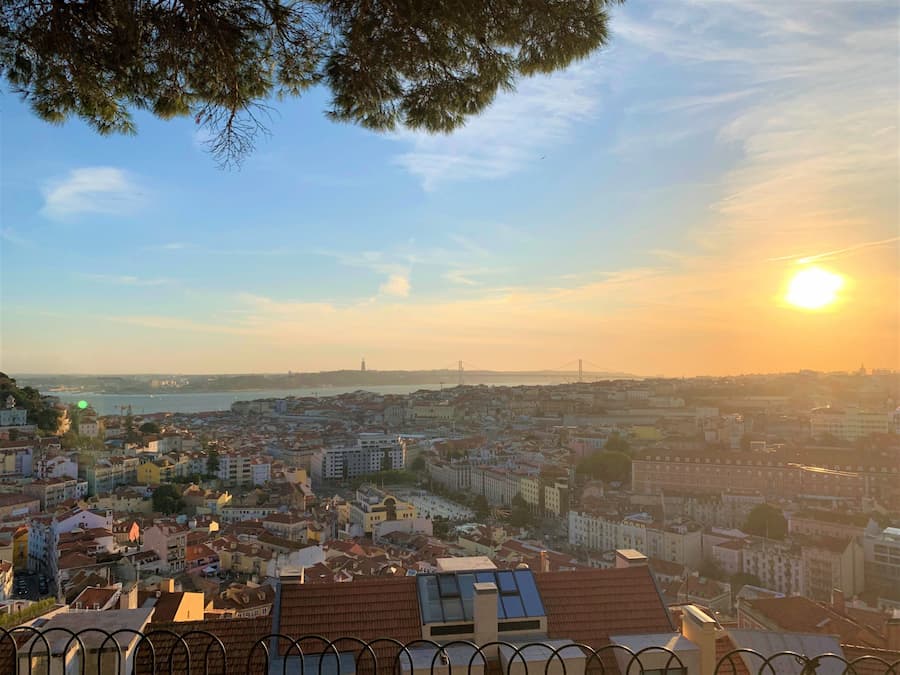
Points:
(607, 466)
(149, 428)
(481, 507)
(615, 443)
(167, 499)
(212, 463)
(520, 515)
(44, 417)
(766, 520)
(422, 65)
(418, 464)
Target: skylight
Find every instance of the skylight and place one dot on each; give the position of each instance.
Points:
(447, 597)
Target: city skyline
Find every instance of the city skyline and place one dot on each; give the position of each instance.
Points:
(647, 209)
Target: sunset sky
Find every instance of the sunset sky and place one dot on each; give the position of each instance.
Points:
(644, 210)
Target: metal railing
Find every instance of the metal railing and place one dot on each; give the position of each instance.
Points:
(94, 651)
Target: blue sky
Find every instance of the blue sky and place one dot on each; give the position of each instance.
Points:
(642, 210)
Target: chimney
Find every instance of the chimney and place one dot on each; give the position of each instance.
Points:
(837, 601)
(892, 631)
(700, 629)
(628, 557)
(129, 599)
(545, 561)
(485, 615)
(167, 585)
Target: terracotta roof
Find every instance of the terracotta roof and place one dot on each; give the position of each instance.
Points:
(872, 660)
(734, 665)
(165, 605)
(588, 606)
(237, 635)
(801, 615)
(92, 597)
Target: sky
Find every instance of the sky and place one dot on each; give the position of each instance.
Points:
(644, 210)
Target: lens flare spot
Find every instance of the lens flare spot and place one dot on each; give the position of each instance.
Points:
(813, 288)
(82, 404)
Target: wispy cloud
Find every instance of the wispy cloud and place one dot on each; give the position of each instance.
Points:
(91, 190)
(804, 259)
(10, 236)
(125, 280)
(397, 285)
(514, 132)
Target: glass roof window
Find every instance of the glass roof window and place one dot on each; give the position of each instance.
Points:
(447, 597)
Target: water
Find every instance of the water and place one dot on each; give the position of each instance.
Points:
(111, 404)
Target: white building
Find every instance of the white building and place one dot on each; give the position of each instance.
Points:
(372, 453)
(677, 542)
(778, 565)
(11, 416)
(847, 424)
(882, 557)
(44, 531)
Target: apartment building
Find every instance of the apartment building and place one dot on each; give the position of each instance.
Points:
(373, 506)
(54, 491)
(16, 459)
(372, 453)
(44, 533)
(455, 476)
(105, 474)
(774, 475)
(881, 553)
(778, 565)
(168, 540)
(56, 466)
(678, 542)
(847, 424)
(830, 563)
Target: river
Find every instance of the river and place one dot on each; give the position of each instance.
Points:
(111, 404)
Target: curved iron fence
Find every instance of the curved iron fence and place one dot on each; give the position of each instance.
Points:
(33, 651)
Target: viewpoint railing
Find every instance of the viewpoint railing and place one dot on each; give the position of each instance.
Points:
(93, 651)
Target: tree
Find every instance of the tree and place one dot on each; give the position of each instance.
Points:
(212, 463)
(481, 507)
(44, 416)
(741, 579)
(149, 428)
(615, 443)
(766, 520)
(167, 499)
(422, 65)
(607, 466)
(520, 514)
(418, 464)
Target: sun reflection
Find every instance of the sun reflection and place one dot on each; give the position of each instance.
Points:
(814, 288)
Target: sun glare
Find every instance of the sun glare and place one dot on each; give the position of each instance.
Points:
(813, 288)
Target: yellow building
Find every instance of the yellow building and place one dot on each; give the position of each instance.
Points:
(20, 548)
(373, 506)
(646, 433)
(156, 473)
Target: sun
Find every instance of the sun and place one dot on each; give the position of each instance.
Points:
(813, 288)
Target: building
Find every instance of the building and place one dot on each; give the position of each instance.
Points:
(678, 542)
(241, 469)
(11, 416)
(372, 453)
(168, 540)
(847, 424)
(882, 560)
(373, 506)
(783, 476)
(6, 580)
(105, 474)
(778, 565)
(58, 466)
(16, 459)
(54, 491)
(830, 563)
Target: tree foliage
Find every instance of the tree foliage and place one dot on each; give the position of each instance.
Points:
(167, 499)
(520, 515)
(422, 65)
(44, 417)
(615, 443)
(149, 428)
(607, 466)
(766, 520)
(212, 463)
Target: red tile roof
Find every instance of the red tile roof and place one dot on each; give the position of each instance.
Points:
(237, 635)
(871, 661)
(590, 605)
